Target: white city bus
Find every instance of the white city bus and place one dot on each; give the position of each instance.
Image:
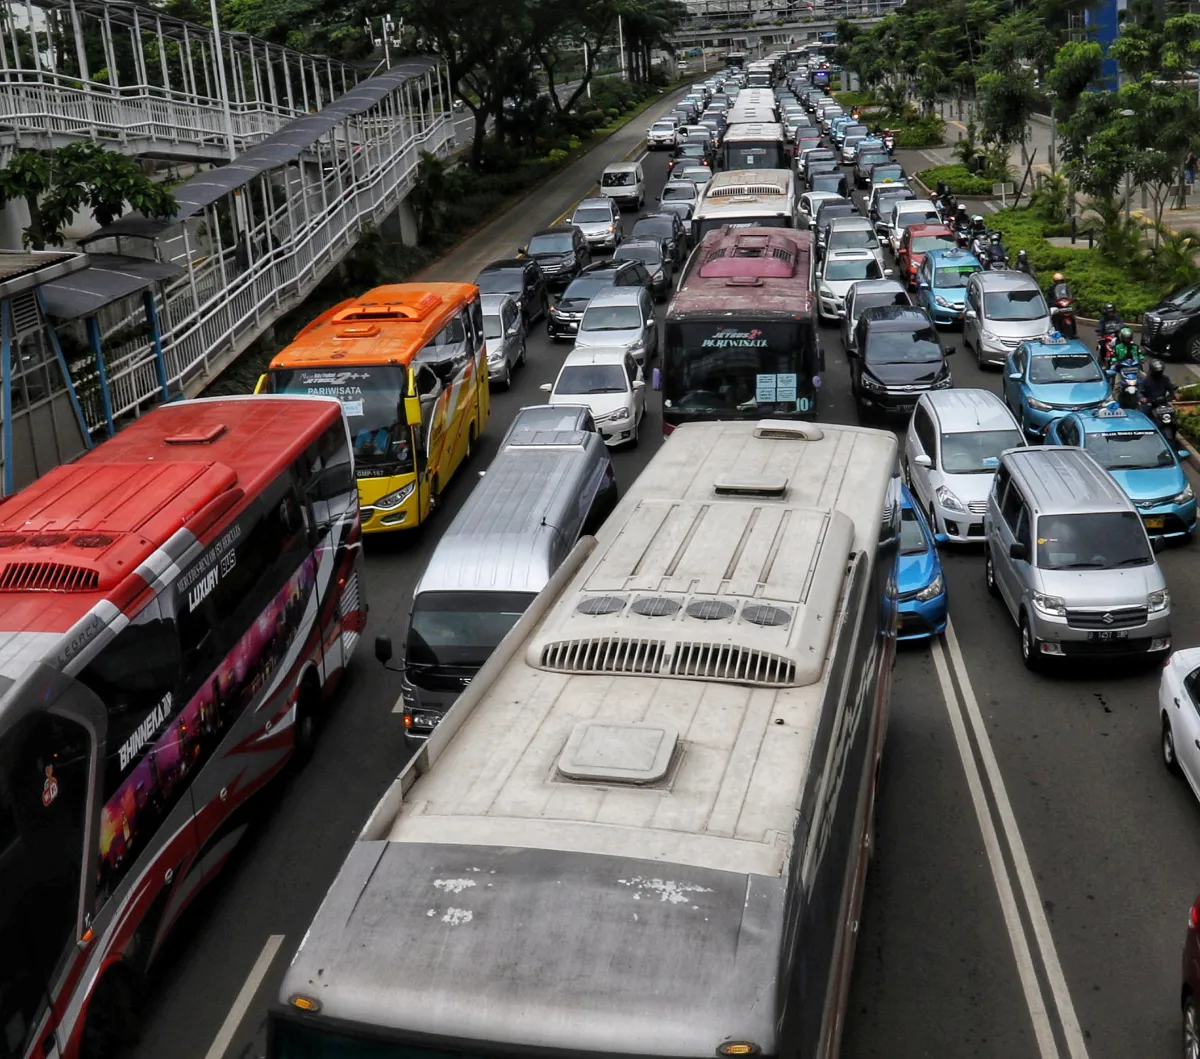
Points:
(745, 198)
(644, 827)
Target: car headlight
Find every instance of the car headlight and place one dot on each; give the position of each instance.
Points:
(869, 383)
(618, 415)
(657, 274)
(939, 300)
(637, 346)
(494, 358)
(948, 500)
(1050, 604)
(825, 292)
(568, 261)
(394, 500)
(1185, 497)
(989, 337)
(944, 383)
(1038, 406)
(554, 310)
(1172, 325)
(932, 590)
(1158, 601)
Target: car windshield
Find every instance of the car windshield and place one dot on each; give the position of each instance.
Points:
(583, 288)
(664, 126)
(656, 227)
(501, 281)
(461, 628)
(1095, 541)
(903, 347)
(976, 451)
(679, 192)
(591, 378)
(1014, 305)
(1064, 367)
(912, 537)
(1188, 298)
(954, 277)
(492, 327)
(553, 243)
(852, 239)
(922, 244)
(648, 254)
(859, 268)
(826, 181)
(611, 318)
(867, 158)
(617, 180)
(883, 173)
(696, 174)
(373, 402)
(1120, 450)
(863, 302)
(592, 215)
(906, 217)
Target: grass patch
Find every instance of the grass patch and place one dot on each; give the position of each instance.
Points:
(856, 99)
(1094, 278)
(958, 178)
(913, 134)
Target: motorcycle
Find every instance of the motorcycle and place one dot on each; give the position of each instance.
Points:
(1162, 412)
(889, 140)
(1105, 346)
(1062, 310)
(997, 259)
(1126, 376)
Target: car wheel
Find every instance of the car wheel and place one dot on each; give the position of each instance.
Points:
(506, 378)
(636, 436)
(1191, 1030)
(989, 575)
(1193, 348)
(545, 306)
(1031, 653)
(521, 358)
(931, 514)
(1172, 764)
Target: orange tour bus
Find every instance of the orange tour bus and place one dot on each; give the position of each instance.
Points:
(408, 364)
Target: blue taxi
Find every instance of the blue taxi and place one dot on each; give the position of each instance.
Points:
(919, 581)
(1130, 447)
(942, 284)
(1046, 378)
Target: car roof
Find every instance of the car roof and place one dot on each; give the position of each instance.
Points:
(851, 254)
(505, 263)
(621, 167)
(1059, 478)
(608, 264)
(555, 229)
(1005, 279)
(1041, 347)
(877, 286)
(493, 303)
(851, 223)
(618, 296)
(653, 244)
(896, 317)
(658, 215)
(597, 201)
(595, 355)
(951, 255)
(961, 411)
(1108, 424)
(930, 229)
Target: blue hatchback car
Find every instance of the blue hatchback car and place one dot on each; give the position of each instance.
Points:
(942, 284)
(921, 587)
(1046, 378)
(1130, 447)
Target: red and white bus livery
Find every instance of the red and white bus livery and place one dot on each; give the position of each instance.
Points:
(175, 609)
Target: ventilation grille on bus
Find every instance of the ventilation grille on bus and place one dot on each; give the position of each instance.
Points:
(605, 654)
(700, 661)
(26, 315)
(740, 190)
(48, 577)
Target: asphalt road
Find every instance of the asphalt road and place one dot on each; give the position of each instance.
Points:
(1034, 860)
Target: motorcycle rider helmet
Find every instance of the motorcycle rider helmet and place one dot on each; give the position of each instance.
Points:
(1156, 367)
(977, 220)
(995, 238)
(1022, 257)
(1059, 278)
(1110, 309)
(1125, 335)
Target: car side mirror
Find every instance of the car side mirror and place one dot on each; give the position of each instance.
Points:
(1015, 376)
(888, 273)
(923, 460)
(971, 314)
(1183, 454)
(922, 285)
(1018, 551)
(522, 250)
(383, 649)
(546, 387)
(639, 384)
(940, 538)
(951, 350)
(514, 330)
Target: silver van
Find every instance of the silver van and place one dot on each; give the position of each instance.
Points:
(1004, 309)
(551, 483)
(1066, 551)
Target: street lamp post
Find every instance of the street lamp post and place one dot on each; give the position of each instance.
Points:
(1128, 183)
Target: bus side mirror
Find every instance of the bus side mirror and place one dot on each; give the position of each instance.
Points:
(383, 649)
(261, 385)
(656, 379)
(412, 411)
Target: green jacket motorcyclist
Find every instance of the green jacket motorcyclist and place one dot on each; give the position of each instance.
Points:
(1125, 348)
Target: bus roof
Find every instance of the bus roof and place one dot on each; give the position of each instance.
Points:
(762, 270)
(386, 325)
(753, 130)
(740, 183)
(76, 534)
(550, 893)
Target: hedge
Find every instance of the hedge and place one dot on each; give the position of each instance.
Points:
(925, 132)
(855, 99)
(958, 178)
(1094, 279)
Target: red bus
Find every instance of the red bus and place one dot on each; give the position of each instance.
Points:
(176, 607)
(740, 338)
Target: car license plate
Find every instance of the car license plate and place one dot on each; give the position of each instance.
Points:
(1155, 522)
(1109, 634)
(908, 407)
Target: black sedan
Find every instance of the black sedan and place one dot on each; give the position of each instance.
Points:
(898, 357)
(522, 278)
(668, 226)
(562, 322)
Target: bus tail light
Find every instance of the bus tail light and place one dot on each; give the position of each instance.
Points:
(1194, 915)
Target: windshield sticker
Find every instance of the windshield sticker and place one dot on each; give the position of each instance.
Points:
(332, 378)
(1126, 434)
(352, 408)
(959, 269)
(731, 339)
(49, 788)
(765, 389)
(785, 387)
(991, 461)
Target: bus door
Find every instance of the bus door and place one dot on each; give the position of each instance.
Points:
(424, 409)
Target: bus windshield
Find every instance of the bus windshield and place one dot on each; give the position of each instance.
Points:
(702, 226)
(372, 398)
(737, 368)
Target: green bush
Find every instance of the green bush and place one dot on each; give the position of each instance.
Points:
(1094, 278)
(959, 180)
(856, 99)
(924, 132)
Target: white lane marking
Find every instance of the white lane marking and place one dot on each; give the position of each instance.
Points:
(244, 998)
(1076, 1046)
(1034, 1000)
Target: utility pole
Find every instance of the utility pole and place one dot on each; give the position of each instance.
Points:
(620, 46)
(222, 84)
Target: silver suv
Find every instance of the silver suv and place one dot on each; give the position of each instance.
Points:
(600, 221)
(1003, 310)
(1066, 551)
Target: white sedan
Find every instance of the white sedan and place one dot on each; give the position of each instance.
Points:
(1179, 709)
(610, 383)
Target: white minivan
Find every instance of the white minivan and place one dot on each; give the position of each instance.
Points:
(624, 183)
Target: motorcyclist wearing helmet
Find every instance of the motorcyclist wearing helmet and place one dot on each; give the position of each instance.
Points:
(1055, 280)
(1125, 348)
(961, 219)
(977, 225)
(1156, 385)
(1023, 264)
(1109, 323)
(996, 250)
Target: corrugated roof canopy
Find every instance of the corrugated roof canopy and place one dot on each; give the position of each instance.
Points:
(108, 278)
(276, 150)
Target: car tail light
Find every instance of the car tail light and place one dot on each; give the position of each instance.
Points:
(1194, 915)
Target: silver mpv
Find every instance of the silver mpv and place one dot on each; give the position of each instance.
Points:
(1066, 551)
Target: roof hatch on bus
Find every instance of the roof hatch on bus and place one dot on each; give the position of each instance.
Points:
(401, 311)
(751, 255)
(637, 753)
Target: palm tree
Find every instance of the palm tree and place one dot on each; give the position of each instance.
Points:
(648, 24)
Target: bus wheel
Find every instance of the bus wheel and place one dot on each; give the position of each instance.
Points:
(308, 706)
(111, 1023)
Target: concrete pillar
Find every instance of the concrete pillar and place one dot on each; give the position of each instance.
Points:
(401, 224)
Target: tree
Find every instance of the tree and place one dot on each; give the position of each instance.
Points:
(56, 184)
(593, 25)
(1005, 102)
(1077, 66)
